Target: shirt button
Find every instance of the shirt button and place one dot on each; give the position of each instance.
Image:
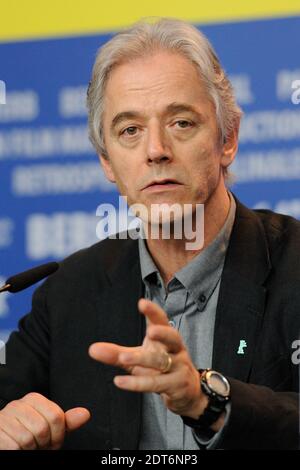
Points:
(172, 323)
(202, 298)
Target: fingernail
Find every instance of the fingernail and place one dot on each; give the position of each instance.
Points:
(119, 380)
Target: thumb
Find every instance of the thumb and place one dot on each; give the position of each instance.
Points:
(76, 417)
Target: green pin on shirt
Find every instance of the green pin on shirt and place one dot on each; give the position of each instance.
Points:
(242, 345)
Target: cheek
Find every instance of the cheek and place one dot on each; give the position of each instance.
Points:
(205, 171)
(125, 177)
(206, 161)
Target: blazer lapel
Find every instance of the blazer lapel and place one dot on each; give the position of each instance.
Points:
(242, 296)
(126, 326)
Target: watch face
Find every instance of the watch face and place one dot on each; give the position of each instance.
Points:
(218, 383)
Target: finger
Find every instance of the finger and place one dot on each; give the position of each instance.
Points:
(23, 423)
(53, 414)
(145, 358)
(7, 442)
(138, 370)
(161, 383)
(15, 429)
(168, 336)
(109, 353)
(76, 417)
(105, 352)
(153, 312)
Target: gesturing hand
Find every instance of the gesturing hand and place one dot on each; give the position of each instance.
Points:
(34, 422)
(161, 364)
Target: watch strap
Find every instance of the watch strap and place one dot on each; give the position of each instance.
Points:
(213, 410)
(208, 417)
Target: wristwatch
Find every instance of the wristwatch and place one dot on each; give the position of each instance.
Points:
(216, 387)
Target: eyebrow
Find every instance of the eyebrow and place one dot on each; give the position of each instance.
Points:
(172, 108)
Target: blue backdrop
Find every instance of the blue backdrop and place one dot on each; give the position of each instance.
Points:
(51, 182)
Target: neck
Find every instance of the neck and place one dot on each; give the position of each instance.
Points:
(171, 255)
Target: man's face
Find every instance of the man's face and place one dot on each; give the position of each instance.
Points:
(159, 125)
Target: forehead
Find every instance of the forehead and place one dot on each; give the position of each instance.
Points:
(154, 81)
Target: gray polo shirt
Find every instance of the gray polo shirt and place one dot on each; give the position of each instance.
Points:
(190, 301)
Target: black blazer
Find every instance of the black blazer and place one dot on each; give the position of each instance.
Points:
(93, 297)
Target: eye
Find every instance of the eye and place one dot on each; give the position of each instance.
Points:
(131, 130)
(183, 124)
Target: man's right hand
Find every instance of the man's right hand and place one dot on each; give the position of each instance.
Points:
(34, 422)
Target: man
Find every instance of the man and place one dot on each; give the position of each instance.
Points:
(165, 124)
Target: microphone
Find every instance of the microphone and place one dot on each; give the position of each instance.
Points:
(27, 278)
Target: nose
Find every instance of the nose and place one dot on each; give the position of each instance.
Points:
(158, 150)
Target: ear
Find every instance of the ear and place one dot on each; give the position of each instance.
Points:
(107, 168)
(229, 149)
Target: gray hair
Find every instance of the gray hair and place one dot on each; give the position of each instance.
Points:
(145, 38)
